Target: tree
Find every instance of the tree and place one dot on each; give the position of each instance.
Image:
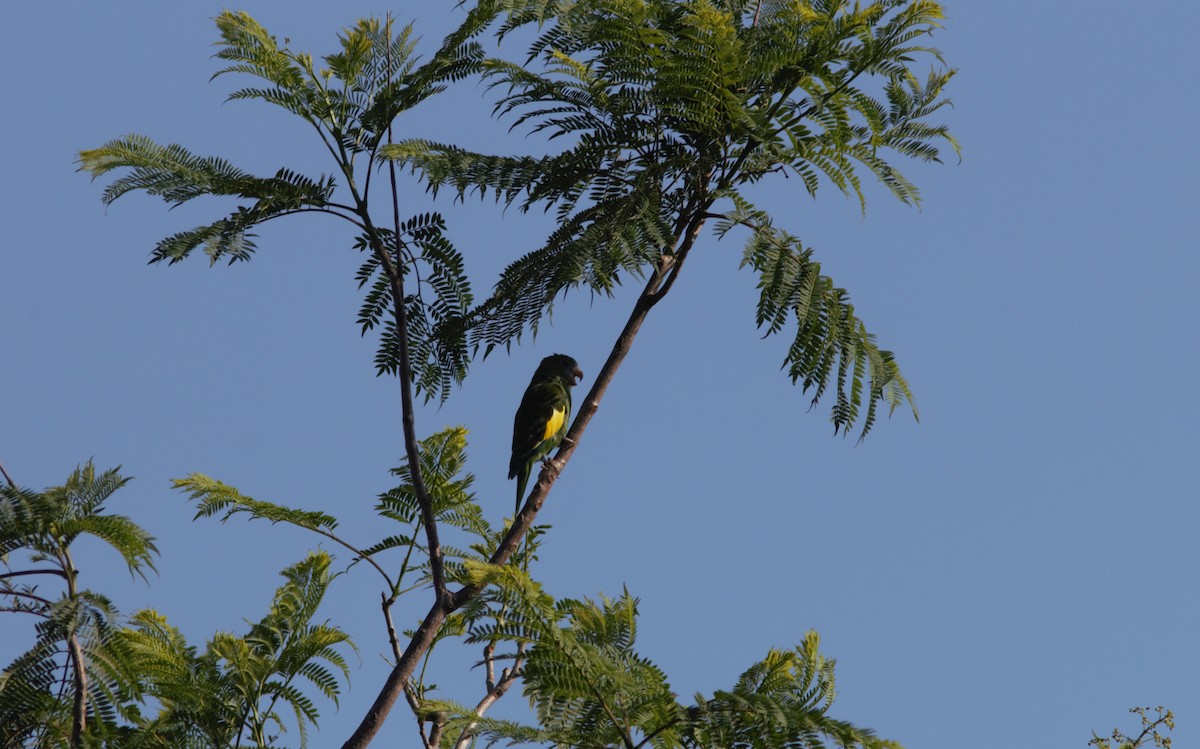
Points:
(89, 672)
(231, 693)
(673, 115)
(37, 530)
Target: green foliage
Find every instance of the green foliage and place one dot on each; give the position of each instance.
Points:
(828, 333)
(437, 308)
(455, 506)
(443, 464)
(29, 706)
(1149, 734)
(38, 687)
(781, 701)
(234, 692)
(670, 112)
(46, 523)
(235, 688)
(590, 687)
(350, 103)
(213, 497)
(73, 645)
(177, 176)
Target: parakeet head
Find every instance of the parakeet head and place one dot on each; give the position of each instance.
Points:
(560, 365)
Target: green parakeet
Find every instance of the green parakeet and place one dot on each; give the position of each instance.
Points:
(543, 417)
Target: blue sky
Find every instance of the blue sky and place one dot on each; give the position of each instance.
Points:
(1018, 568)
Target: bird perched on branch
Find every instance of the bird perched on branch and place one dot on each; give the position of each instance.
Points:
(543, 417)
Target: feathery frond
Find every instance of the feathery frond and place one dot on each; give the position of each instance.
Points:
(229, 691)
(832, 345)
(438, 300)
(781, 702)
(213, 497)
(350, 104)
(443, 462)
(670, 109)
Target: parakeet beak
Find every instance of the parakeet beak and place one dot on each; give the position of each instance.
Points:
(576, 376)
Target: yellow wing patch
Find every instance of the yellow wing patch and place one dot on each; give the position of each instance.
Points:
(555, 422)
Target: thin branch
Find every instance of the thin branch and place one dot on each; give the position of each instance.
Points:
(320, 531)
(650, 736)
(489, 665)
(395, 683)
(79, 675)
(7, 478)
(365, 557)
(495, 689)
(22, 594)
(19, 573)
(386, 604)
(435, 736)
(412, 542)
(676, 261)
(396, 282)
(327, 208)
(429, 741)
(411, 588)
(19, 610)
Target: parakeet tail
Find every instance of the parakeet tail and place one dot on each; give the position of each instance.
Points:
(522, 480)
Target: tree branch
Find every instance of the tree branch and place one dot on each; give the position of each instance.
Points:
(650, 736)
(7, 478)
(18, 609)
(495, 689)
(357, 552)
(396, 282)
(78, 675)
(393, 686)
(395, 277)
(437, 719)
(19, 573)
(416, 709)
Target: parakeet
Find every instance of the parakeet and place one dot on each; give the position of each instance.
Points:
(543, 417)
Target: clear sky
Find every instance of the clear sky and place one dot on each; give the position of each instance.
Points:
(1018, 569)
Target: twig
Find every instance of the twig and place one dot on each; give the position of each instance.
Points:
(391, 628)
(19, 573)
(495, 689)
(18, 609)
(416, 708)
(489, 664)
(7, 478)
(439, 725)
(437, 719)
(357, 552)
(79, 675)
